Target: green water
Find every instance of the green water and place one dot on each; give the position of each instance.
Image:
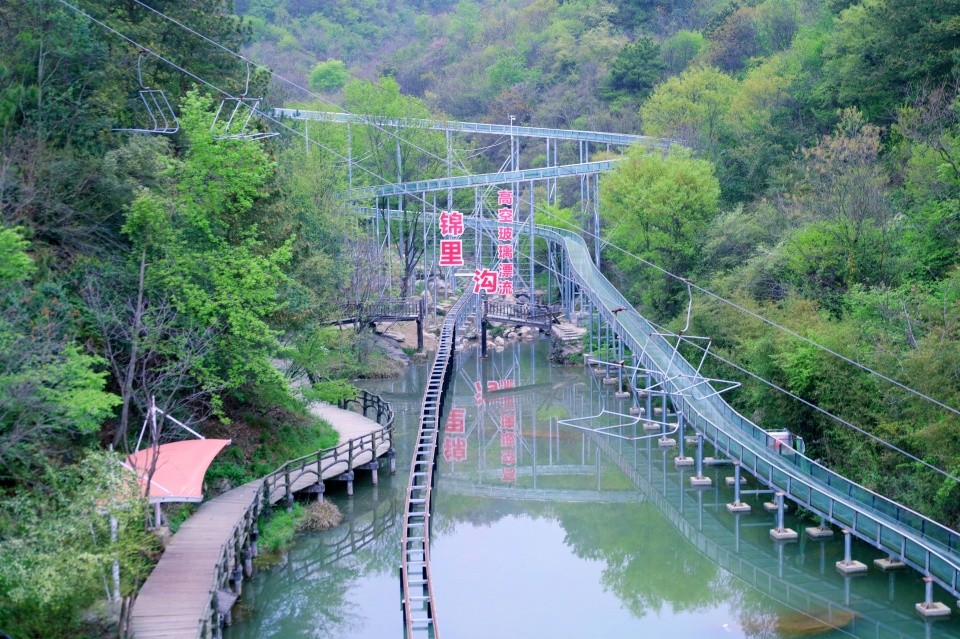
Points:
(540, 529)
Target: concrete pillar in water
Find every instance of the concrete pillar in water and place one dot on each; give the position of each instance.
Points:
(621, 392)
(780, 533)
(392, 456)
(247, 561)
(849, 565)
(700, 480)
(737, 506)
(373, 467)
(347, 477)
(681, 459)
(819, 532)
(889, 563)
(637, 394)
(928, 607)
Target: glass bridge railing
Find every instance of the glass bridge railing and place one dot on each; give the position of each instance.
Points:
(922, 542)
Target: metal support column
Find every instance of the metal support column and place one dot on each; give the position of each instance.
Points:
(699, 480)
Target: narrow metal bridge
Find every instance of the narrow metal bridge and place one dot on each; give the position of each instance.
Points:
(485, 179)
(419, 611)
(598, 137)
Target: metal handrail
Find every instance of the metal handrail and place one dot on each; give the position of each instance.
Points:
(532, 314)
(599, 137)
(399, 307)
(469, 181)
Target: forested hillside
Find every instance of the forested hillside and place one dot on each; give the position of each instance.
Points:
(137, 266)
(820, 189)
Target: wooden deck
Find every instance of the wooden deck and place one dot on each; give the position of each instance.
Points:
(175, 601)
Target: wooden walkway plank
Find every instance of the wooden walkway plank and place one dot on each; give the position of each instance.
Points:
(176, 599)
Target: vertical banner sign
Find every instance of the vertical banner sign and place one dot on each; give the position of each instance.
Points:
(451, 250)
(499, 281)
(505, 239)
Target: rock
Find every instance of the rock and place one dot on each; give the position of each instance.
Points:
(498, 342)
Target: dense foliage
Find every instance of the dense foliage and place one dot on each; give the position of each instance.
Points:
(135, 267)
(821, 192)
(820, 189)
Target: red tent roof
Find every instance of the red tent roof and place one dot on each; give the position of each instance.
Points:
(180, 468)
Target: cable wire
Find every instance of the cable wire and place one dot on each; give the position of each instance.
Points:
(273, 74)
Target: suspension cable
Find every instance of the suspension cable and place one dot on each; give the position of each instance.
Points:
(293, 84)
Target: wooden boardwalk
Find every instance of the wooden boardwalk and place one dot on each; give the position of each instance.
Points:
(177, 601)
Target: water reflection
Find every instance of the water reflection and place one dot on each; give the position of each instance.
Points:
(543, 530)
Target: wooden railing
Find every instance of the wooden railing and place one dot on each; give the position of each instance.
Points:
(238, 551)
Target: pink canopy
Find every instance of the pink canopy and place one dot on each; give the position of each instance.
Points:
(180, 468)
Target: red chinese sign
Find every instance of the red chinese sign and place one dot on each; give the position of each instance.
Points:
(456, 421)
(485, 280)
(500, 384)
(508, 441)
(451, 251)
(451, 223)
(454, 449)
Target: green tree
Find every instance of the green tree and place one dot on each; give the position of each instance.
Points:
(52, 392)
(931, 129)
(329, 75)
(883, 49)
(635, 70)
(849, 235)
(658, 209)
(59, 551)
(776, 23)
(691, 107)
(205, 252)
(680, 49)
(735, 41)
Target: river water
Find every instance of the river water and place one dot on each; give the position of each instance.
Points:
(543, 529)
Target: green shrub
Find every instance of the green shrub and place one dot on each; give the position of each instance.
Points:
(277, 530)
(331, 391)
